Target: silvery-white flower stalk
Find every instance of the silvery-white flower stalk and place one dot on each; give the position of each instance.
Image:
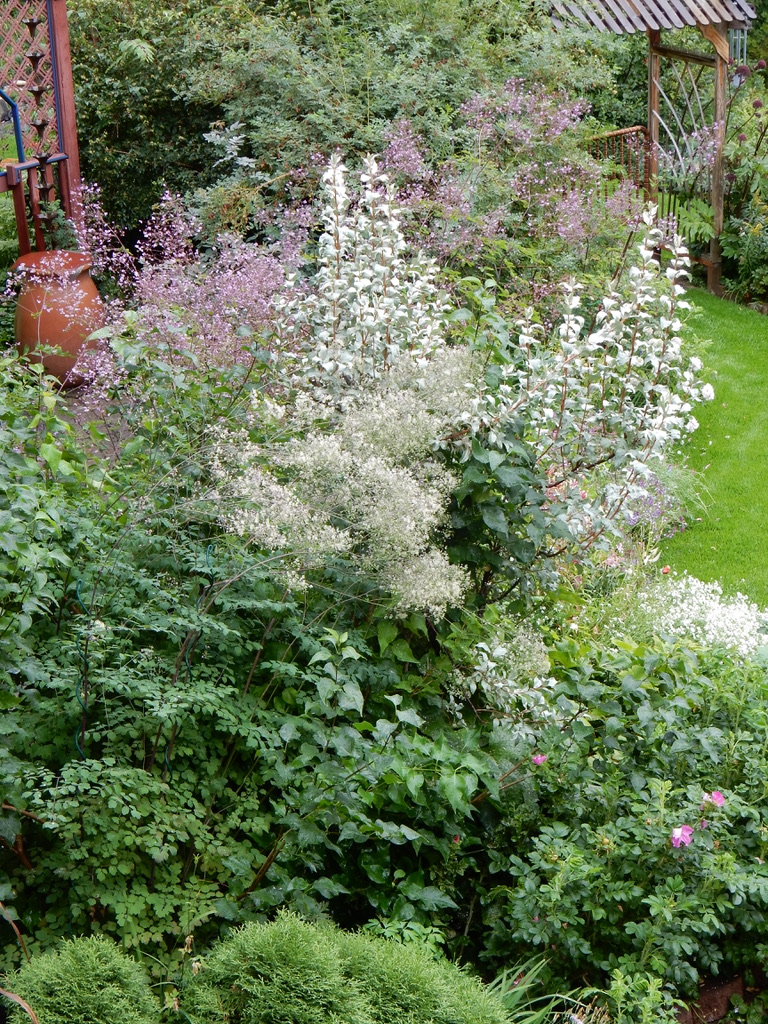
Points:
(368, 304)
(600, 405)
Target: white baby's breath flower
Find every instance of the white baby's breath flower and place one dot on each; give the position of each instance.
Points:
(688, 608)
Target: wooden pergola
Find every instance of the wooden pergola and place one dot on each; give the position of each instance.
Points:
(718, 21)
(37, 99)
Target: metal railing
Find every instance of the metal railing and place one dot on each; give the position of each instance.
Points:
(628, 150)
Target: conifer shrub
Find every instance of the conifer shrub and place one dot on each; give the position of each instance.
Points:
(84, 981)
(404, 983)
(314, 974)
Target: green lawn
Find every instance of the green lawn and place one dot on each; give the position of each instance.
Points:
(730, 450)
(7, 141)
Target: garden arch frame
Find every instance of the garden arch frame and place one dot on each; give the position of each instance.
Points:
(36, 74)
(714, 19)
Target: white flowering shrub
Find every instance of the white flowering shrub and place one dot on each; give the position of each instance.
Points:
(368, 303)
(510, 678)
(370, 491)
(431, 469)
(689, 609)
(611, 399)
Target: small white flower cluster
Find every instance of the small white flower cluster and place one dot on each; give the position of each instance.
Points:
(512, 675)
(269, 513)
(688, 608)
(368, 491)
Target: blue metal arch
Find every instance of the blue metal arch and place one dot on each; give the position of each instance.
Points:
(16, 124)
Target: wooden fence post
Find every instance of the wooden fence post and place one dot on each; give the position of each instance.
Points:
(65, 92)
(718, 36)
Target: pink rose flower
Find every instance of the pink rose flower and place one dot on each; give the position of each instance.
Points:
(682, 836)
(715, 797)
(539, 758)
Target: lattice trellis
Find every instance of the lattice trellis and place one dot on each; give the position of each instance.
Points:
(27, 72)
(36, 76)
(687, 130)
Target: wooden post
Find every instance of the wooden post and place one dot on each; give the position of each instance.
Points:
(718, 36)
(34, 207)
(65, 91)
(654, 74)
(16, 183)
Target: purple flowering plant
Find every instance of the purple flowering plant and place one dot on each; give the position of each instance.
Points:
(519, 197)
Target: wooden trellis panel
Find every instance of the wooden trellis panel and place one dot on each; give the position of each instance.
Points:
(715, 19)
(27, 72)
(36, 73)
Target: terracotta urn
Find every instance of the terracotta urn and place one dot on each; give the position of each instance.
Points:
(58, 305)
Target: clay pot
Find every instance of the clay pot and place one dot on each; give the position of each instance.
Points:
(58, 305)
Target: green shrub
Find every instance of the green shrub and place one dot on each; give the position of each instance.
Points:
(137, 136)
(86, 980)
(406, 984)
(286, 971)
(310, 974)
(646, 859)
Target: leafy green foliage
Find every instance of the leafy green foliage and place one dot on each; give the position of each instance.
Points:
(500, 521)
(208, 747)
(40, 472)
(264, 974)
(299, 79)
(43, 473)
(137, 135)
(647, 732)
(9, 242)
(84, 981)
(302, 79)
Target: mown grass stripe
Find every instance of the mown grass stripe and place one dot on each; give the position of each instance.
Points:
(730, 450)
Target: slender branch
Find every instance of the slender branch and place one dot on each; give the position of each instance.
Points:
(478, 798)
(270, 860)
(26, 814)
(20, 1002)
(21, 853)
(13, 925)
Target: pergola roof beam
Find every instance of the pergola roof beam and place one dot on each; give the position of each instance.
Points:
(621, 16)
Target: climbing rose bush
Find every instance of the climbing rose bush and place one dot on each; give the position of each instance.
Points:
(647, 854)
